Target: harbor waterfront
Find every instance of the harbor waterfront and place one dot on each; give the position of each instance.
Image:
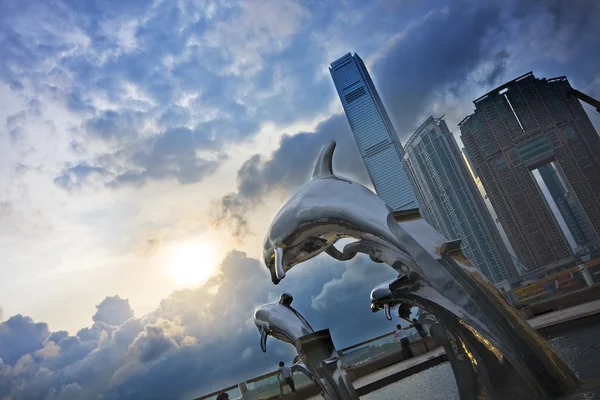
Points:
(579, 348)
(575, 323)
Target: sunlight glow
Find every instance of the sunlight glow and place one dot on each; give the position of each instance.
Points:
(192, 263)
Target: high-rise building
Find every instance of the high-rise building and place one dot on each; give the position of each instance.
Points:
(470, 164)
(450, 200)
(521, 268)
(375, 136)
(567, 206)
(531, 124)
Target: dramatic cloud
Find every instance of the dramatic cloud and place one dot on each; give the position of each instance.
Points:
(357, 276)
(19, 335)
(193, 341)
(472, 48)
(445, 53)
(113, 311)
(288, 168)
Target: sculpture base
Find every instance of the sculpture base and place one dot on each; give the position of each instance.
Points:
(318, 353)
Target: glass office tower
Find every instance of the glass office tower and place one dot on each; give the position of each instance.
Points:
(375, 136)
(450, 200)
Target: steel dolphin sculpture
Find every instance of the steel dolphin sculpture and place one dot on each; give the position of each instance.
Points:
(508, 359)
(319, 215)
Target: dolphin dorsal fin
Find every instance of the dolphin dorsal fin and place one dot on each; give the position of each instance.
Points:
(324, 164)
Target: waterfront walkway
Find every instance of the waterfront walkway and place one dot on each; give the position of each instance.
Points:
(395, 372)
(548, 324)
(566, 315)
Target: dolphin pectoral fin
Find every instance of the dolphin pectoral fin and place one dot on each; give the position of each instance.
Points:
(279, 272)
(374, 259)
(338, 255)
(404, 311)
(387, 311)
(263, 340)
(324, 164)
(399, 282)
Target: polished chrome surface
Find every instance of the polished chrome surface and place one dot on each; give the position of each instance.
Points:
(299, 367)
(307, 225)
(497, 354)
(281, 321)
(319, 355)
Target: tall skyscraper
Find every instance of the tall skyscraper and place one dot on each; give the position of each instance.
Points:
(450, 200)
(375, 136)
(521, 268)
(567, 206)
(531, 124)
(470, 164)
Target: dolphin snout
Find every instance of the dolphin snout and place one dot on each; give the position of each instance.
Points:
(275, 265)
(387, 311)
(270, 264)
(263, 340)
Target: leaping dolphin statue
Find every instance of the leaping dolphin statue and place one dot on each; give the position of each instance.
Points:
(319, 215)
(434, 275)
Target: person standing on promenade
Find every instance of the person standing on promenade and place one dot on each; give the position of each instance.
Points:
(417, 325)
(286, 372)
(402, 337)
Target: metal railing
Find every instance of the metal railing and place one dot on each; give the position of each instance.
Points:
(375, 348)
(233, 391)
(558, 284)
(272, 385)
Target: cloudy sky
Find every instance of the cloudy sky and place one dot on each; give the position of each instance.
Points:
(146, 145)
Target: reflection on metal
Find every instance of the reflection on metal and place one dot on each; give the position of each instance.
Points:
(281, 321)
(318, 358)
(298, 366)
(318, 352)
(483, 340)
(496, 354)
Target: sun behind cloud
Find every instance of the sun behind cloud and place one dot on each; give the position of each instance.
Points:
(193, 262)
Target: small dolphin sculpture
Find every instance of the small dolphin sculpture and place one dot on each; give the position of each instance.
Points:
(281, 321)
(317, 356)
(382, 298)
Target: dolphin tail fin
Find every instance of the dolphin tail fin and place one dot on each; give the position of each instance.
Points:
(324, 164)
